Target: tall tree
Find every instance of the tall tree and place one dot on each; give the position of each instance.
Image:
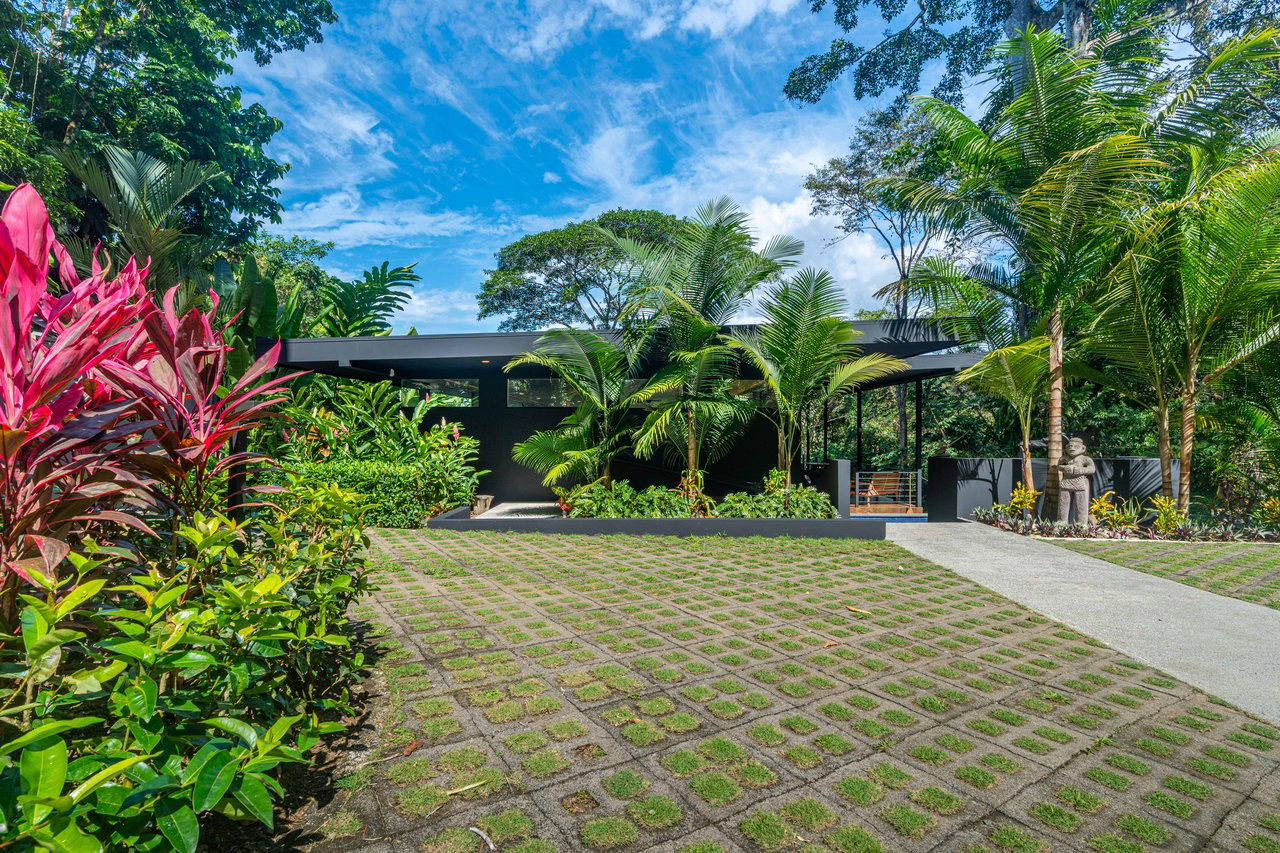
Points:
(692, 289)
(805, 352)
(1198, 293)
(570, 276)
(885, 146)
(960, 35)
(1051, 179)
(293, 263)
(149, 77)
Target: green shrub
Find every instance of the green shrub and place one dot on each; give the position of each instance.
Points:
(621, 500)
(402, 494)
(165, 694)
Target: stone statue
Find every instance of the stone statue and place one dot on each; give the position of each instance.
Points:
(1073, 491)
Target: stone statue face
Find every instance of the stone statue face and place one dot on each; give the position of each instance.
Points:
(1075, 447)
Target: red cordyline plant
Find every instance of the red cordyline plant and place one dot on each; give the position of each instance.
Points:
(178, 390)
(59, 423)
(103, 397)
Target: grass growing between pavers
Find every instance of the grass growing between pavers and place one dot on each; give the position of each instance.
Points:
(615, 693)
(1248, 571)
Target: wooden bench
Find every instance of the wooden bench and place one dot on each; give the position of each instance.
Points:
(883, 484)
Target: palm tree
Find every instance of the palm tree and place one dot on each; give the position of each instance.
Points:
(1050, 181)
(143, 198)
(365, 306)
(602, 371)
(804, 351)
(1198, 293)
(692, 288)
(1017, 374)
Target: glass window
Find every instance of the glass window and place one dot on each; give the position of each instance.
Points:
(541, 394)
(455, 393)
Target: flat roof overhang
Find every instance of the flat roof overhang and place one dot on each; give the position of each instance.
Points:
(460, 355)
(923, 367)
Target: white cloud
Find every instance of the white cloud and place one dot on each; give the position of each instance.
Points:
(551, 178)
(722, 17)
(430, 308)
(345, 218)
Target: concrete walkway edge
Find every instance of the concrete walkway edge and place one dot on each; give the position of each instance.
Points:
(1226, 647)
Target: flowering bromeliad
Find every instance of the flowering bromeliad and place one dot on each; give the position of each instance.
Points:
(102, 392)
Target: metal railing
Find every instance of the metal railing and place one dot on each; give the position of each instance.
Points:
(898, 488)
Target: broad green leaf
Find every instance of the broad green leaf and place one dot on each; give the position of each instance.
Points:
(142, 697)
(255, 797)
(50, 641)
(43, 770)
(64, 836)
(82, 593)
(239, 728)
(178, 823)
(46, 730)
(106, 774)
(213, 781)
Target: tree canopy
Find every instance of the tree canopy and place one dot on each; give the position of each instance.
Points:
(147, 77)
(570, 276)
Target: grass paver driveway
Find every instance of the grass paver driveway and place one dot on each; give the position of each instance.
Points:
(1244, 570)
(623, 693)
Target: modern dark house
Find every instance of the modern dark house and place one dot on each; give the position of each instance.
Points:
(501, 409)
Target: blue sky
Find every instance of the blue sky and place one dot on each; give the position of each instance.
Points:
(436, 132)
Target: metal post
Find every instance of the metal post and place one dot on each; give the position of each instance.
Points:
(859, 420)
(919, 424)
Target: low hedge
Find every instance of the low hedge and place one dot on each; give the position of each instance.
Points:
(399, 494)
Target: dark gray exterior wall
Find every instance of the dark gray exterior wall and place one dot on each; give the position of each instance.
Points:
(500, 428)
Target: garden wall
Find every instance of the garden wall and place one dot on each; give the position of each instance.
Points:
(958, 486)
(794, 528)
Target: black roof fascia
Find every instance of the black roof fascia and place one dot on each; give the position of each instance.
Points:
(341, 356)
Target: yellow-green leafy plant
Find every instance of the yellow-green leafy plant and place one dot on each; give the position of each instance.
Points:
(1169, 516)
(1267, 513)
(1023, 498)
(1113, 514)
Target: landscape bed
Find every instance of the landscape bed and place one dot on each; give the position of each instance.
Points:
(700, 695)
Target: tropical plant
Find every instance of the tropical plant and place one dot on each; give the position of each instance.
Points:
(1195, 297)
(806, 355)
(143, 198)
(58, 419)
(191, 415)
(1050, 181)
(604, 375)
(167, 697)
(691, 290)
(777, 499)
(1017, 374)
(365, 306)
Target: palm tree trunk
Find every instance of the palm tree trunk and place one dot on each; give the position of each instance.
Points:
(1056, 394)
(690, 424)
(1165, 449)
(784, 456)
(1186, 439)
(607, 475)
(1028, 476)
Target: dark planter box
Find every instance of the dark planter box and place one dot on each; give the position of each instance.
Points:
(957, 487)
(799, 528)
